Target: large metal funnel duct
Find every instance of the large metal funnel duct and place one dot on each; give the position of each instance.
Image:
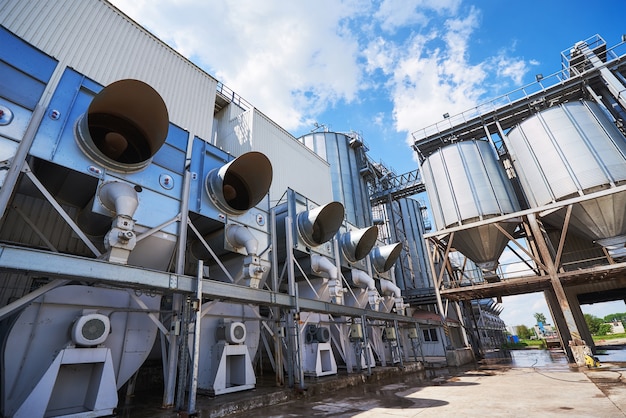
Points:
(465, 184)
(388, 288)
(570, 150)
(120, 198)
(233, 238)
(237, 248)
(326, 286)
(356, 244)
(369, 295)
(125, 125)
(319, 225)
(386, 256)
(122, 201)
(241, 184)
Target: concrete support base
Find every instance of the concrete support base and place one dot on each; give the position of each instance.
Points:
(459, 356)
(579, 352)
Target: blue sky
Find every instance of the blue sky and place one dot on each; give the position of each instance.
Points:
(382, 68)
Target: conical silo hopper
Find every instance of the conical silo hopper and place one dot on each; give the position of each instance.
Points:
(573, 150)
(465, 184)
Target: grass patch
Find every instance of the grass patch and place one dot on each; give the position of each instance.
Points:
(608, 337)
(524, 344)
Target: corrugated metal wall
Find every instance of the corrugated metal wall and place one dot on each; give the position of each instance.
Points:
(97, 40)
(407, 227)
(294, 165)
(348, 185)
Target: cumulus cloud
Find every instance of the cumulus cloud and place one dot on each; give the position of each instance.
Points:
(290, 59)
(296, 60)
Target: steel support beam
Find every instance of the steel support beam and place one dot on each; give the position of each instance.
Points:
(50, 264)
(572, 334)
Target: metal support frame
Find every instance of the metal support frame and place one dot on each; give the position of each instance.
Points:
(548, 272)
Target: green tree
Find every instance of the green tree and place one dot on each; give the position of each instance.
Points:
(593, 322)
(523, 332)
(604, 329)
(540, 318)
(615, 317)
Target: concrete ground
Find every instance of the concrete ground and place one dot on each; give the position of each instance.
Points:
(531, 383)
(493, 391)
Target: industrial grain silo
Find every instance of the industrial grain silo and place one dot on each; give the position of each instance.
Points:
(573, 150)
(466, 184)
(346, 155)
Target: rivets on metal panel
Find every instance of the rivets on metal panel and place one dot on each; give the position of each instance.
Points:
(166, 181)
(94, 170)
(55, 114)
(6, 116)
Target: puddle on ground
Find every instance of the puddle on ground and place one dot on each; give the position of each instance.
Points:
(611, 353)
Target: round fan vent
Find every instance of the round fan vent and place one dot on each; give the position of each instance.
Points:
(91, 330)
(236, 332)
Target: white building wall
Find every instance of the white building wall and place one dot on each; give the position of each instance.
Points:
(99, 41)
(294, 165)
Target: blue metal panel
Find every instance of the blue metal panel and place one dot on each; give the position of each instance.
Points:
(24, 70)
(25, 57)
(55, 140)
(204, 158)
(172, 154)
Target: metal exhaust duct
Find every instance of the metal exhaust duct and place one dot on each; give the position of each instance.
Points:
(125, 125)
(356, 244)
(241, 184)
(319, 225)
(383, 258)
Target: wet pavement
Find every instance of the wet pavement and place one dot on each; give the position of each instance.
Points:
(524, 383)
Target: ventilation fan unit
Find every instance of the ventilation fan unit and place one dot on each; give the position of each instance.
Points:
(91, 330)
(232, 332)
(315, 334)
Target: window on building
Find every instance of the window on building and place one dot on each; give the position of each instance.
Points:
(430, 334)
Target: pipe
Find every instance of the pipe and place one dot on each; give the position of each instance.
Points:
(389, 289)
(239, 236)
(363, 280)
(320, 264)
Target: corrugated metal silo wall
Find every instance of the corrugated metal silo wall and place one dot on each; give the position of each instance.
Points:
(407, 226)
(96, 39)
(349, 186)
(294, 165)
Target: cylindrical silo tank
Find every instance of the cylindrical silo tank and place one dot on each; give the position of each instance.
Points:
(346, 155)
(571, 150)
(465, 184)
(407, 225)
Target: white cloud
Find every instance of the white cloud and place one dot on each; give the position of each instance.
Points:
(430, 82)
(290, 59)
(296, 60)
(520, 309)
(394, 14)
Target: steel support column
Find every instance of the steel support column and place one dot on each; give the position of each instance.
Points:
(572, 334)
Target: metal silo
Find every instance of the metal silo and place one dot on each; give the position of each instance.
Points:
(573, 150)
(466, 184)
(346, 155)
